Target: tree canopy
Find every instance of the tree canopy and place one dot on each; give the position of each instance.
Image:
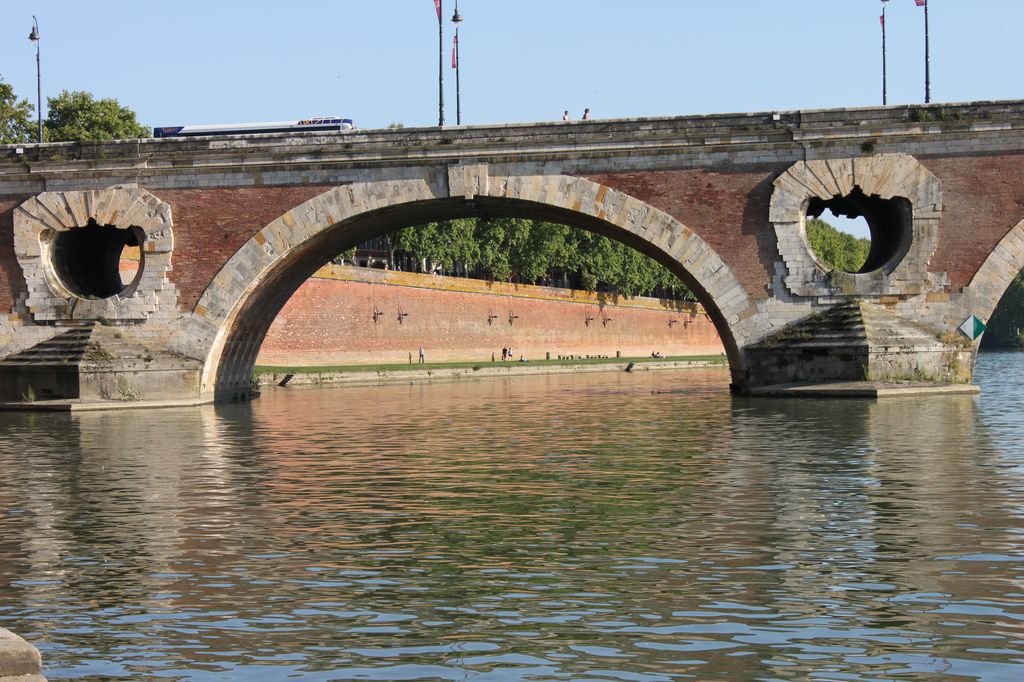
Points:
(77, 115)
(533, 251)
(15, 116)
(836, 250)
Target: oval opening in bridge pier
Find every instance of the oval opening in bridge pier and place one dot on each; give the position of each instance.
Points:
(884, 223)
(98, 261)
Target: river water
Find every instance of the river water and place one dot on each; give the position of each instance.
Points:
(611, 526)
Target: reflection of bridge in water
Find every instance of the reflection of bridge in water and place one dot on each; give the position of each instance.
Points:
(720, 200)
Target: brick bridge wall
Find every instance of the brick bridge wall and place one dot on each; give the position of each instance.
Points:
(330, 320)
(726, 207)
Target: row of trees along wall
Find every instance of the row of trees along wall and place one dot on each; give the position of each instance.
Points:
(521, 251)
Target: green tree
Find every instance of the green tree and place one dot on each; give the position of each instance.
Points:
(836, 250)
(635, 274)
(78, 115)
(529, 251)
(593, 259)
(15, 116)
(1006, 326)
(544, 248)
(446, 243)
(493, 237)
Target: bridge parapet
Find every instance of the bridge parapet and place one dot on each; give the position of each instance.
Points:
(783, 136)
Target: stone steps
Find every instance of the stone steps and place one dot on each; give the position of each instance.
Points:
(854, 341)
(100, 363)
(93, 345)
(856, 324)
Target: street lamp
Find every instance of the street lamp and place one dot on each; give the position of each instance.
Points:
(927, 58)
(34, 37)
(882, 19)
(457, 19)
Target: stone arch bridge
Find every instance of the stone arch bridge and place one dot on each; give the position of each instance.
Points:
(229, 227)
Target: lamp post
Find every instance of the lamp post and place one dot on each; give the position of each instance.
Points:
(882, 19)
(927, 58)
(457, 19)
(440, 65)
(34, 37)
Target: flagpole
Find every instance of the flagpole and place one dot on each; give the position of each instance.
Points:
(440, 64)
(457, 19)
(458, 94)
(884, 84)
(927, 59)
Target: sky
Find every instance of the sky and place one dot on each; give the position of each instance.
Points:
(376, 61)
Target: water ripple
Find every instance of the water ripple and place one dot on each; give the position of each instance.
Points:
(645, 526)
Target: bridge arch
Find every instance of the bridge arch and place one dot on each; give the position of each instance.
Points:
(994, 276)
(234, 313)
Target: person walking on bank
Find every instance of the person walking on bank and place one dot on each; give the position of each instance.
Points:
(421, 355)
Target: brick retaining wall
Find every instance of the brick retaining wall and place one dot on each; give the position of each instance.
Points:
(330, 321)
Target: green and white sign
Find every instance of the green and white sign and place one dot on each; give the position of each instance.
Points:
(972, 327)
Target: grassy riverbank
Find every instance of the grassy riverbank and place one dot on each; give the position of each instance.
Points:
(265, 375)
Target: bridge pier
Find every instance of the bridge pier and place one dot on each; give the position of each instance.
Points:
(858, 341)
(98, 363)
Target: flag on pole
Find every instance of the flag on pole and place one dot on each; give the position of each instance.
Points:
(437, 6)
(455, 52)
(920, 3)
(881, 20)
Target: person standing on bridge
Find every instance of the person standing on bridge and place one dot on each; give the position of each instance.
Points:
(586, 114)
(565, 116)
